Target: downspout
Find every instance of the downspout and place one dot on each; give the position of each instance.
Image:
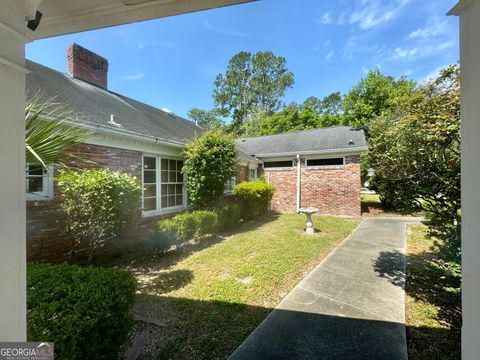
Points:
(299, 182)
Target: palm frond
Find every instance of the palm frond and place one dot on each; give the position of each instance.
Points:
(48, 135)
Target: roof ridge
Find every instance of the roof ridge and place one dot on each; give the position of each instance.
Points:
(296, 132)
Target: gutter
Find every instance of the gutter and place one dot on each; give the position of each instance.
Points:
(299, 182)
(349, 150)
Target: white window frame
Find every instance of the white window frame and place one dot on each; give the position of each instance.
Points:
(325, 166)
(47, 185)
(158, 177)
(229, 185)
(250, 173)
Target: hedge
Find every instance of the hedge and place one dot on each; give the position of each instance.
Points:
(253, 197)
(184, 227)
(83, 310)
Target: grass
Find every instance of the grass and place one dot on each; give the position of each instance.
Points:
(209, 301)
(433, 310)
(370, 198)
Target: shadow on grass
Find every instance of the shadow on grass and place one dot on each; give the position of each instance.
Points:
(168, 281)
(431, 286)
(215, 329)
(145, 260)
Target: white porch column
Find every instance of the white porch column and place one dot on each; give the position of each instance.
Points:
(470, 109)
(12, 172)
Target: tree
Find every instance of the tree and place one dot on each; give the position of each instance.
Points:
(210, 161)
(251, 83)
(47, 134)
(329, 105)
(206, 119)
(416, 155)
(375, 95)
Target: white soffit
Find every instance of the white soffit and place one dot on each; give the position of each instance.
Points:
(68, 16)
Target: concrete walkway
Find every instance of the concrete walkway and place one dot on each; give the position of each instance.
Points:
(351, 306)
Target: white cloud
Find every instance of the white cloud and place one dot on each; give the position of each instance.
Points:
(325, 19)
(228, 32)
(134, 76)
(401, 53)
(167, 110)
(446, 45)
(371, 13)
(329, 56)
(155, 44)
(328, 42)
(433, 28)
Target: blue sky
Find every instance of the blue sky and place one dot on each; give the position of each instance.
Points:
(329, 45)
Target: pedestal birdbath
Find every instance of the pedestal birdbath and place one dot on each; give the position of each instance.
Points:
(308, 211)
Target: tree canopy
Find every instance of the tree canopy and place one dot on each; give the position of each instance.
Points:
(206, 119)
(374, 95)
(251, 83)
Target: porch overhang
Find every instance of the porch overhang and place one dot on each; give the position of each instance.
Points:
(60, 17)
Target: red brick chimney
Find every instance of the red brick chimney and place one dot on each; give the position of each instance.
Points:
(87, 66)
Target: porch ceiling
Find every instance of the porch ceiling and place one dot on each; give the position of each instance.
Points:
(68, 16)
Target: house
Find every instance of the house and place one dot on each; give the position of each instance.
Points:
(319, 168)
(310, 168)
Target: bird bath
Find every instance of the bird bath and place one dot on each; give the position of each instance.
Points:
(308, 211)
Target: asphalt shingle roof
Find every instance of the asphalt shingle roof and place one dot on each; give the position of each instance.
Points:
(341, 138)
(94, 105)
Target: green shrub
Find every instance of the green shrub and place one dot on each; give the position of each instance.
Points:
(228, 215)
(210, 161)
(253, 197)
(99, 205)
(84, 310)
(207, 222)
(165, 234)
(184, 227)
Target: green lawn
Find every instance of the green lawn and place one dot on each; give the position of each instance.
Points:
(433, 310)
(208, 301)
(370, 199)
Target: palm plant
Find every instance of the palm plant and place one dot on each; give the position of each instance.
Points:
(48, 134)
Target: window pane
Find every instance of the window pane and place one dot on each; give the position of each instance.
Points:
(35, 184)
(164, 164)
(171, 200)
(164, 176)
(325, 162)
(173, 165)
(150, 190)
(171, 189)
(179, 165)
(149, 163)
(179, 177)
(149, 204)
(164, 201)
(164, 190)
(149, 177)
(274, 164)
(178, 189)
(35, 169)
(178, 200)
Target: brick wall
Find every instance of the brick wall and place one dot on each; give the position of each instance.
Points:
(242, 174)
(333, 190)
(44, 217)
(85, 65)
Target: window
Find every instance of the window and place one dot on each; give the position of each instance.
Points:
(253, 174)
(163, 185)
(325, 162)
(278, 164)
(39, 181)
(229, 185)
